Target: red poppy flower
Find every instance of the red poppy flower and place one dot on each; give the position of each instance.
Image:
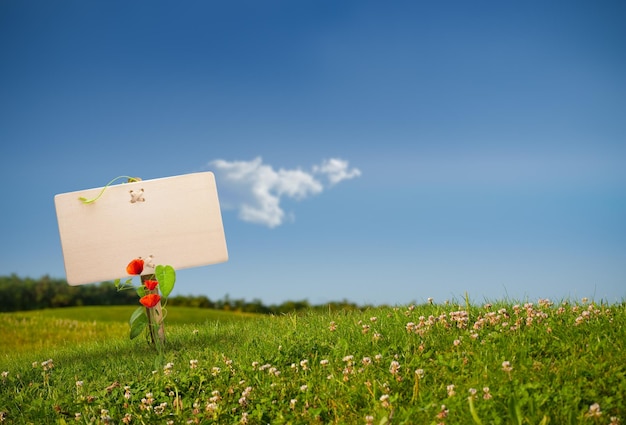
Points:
(135, 266)
(151, 284)
(150, 300)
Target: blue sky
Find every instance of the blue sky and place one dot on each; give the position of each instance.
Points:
(475, 147)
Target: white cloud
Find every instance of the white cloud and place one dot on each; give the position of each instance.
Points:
(336, 170)
(255, 189)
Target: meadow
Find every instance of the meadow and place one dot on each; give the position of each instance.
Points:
(515, 363)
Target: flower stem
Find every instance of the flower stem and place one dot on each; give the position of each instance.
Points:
(156, 327)
(89, 201)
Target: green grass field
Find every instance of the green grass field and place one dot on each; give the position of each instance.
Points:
(506, 363)
(42, 330)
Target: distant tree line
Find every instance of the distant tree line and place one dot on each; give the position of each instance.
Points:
(19, 294)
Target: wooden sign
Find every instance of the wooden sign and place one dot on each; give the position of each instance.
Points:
(174, 221)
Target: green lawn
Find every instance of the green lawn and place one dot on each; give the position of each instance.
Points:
(506, 363)
(46, 329)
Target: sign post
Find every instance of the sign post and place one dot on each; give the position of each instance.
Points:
(174, 220)
(157, 316)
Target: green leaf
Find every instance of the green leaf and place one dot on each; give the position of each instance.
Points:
(138, 327)
(140, 311)
(515, 411)
(138, 322)
(127, 284)
(166, 275)
(141, 291)
(473, 411)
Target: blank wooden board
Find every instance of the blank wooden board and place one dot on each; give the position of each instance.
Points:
(176, 220)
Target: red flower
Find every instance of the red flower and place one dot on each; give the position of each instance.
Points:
(150, 284)
(135, 266)
(150, 300)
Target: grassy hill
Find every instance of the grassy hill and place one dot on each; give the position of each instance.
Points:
(44, 329)
(506, 363)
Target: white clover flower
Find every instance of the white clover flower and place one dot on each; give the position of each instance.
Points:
(244, 418)
(450, 389)
(443, 413)
(384, 400)
(594, 411)
(394, 367)
(246, 392)
(486, 394)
